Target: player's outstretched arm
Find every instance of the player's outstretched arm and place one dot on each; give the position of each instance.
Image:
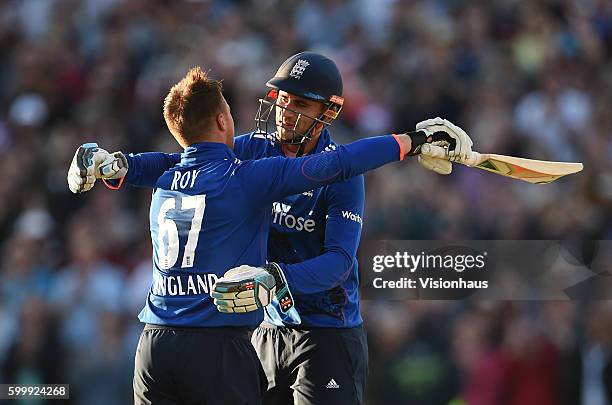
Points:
(269, 179)
(145, 168)
(91, 163)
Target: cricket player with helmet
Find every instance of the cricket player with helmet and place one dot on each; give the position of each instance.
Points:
(315, 352)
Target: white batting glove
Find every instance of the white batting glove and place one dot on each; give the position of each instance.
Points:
(246, 288)
(114, 166)
(462, 147)
(90, 163)
(81, 176)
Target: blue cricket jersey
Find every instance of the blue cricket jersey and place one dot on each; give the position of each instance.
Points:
(212, 212)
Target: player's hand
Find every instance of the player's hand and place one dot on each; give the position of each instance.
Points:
(246, 288)
(114, 166)
(441, 132)
(433, 157)
(81, 174)
(91, 162)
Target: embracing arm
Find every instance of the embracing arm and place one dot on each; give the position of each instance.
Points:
(273, 178)
(342, 235)
(268, 180)
(145, 168)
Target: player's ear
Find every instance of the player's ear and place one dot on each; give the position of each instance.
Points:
(221, 122)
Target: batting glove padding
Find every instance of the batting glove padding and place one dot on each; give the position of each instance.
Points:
(81, 176)
(114, 166)
(443, 132)
(246, 288)
(433, 157)
(90, 163)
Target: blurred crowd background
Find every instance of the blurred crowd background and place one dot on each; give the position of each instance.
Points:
(526, 78)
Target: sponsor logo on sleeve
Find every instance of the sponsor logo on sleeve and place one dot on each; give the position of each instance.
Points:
(351, 216)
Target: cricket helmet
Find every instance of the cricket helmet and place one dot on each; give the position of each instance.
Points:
(309, 75)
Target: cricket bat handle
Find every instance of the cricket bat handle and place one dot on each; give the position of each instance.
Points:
(434, 151)
(474, 159)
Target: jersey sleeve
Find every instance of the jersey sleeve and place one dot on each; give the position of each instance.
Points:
(342, 235)
(268, 180)
(145, 168)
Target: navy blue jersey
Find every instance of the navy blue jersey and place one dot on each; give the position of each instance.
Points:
(212, 212)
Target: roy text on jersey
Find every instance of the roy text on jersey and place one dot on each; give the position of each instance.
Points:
(184, 179)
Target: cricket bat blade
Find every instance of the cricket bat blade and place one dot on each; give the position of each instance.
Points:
(529, 170)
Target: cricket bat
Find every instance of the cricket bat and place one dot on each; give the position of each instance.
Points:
(529, 170)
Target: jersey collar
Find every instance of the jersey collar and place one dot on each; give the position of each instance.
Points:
(206, 151)
(323, 142)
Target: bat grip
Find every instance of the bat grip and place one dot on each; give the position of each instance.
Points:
(433, 151)
(474, 159)
(439, 152)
